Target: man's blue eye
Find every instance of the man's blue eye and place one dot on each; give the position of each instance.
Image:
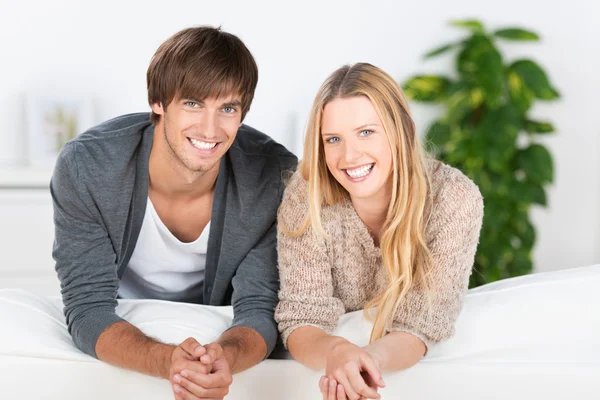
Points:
(191, 103)
(229, 110)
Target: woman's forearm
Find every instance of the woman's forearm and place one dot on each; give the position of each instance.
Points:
(397, 350)
(309, 345)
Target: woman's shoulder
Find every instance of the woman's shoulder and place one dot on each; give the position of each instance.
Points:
(451, 182)
(296, 185)
(453, 193)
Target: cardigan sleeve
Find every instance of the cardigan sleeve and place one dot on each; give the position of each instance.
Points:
(84, 255)
(452, 235)
(306, 292)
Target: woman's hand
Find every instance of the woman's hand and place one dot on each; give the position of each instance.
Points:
(351, 372)
(331, 390)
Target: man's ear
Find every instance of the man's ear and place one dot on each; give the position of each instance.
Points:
(158, 108)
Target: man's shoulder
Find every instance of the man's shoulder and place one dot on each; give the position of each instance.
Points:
(110, 141)
(104, 152)
(252, 142)
(255, 154)
(119, 127)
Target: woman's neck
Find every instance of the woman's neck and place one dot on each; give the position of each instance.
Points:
(373, 211)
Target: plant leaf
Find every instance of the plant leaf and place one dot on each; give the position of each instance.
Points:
(516, 34)
(536, 163)
(528, 192)
(472, 25)
(459, 148)
(480, 65)
(538, 126)
(437, 136)
(538, 194)
(522, 264)
(426, 88)
(535, 79)
(461, 100)
(496, 137)
(521, 96)
(524, 230)
(439, 50)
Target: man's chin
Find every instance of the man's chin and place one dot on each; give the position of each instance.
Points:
(203, 168)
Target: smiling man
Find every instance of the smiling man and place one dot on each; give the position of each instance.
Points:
(178, 205)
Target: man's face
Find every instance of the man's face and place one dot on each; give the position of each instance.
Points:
(199, 132)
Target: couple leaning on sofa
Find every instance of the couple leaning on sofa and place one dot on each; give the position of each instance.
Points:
(187, 204)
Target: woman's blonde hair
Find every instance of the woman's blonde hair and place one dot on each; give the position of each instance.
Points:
(404, 251)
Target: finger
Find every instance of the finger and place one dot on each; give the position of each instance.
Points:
(321, 387)
(221, 364)
(214, 380)
(194, 366)
(341, 393)
(360, 386)
(331, 389)
(324, 386)
(199, 352)
(192, 347)
(341, 378)
(374, 372)
(213, 351)
(182, 393)
(189, 345)
(198, 390)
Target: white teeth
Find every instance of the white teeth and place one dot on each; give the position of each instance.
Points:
(359, 172)
(202, 145)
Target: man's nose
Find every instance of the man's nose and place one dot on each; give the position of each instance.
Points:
(209, 127)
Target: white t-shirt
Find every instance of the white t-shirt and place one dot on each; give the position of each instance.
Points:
(163, 267)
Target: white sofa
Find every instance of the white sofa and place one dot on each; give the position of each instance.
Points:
(533, 337)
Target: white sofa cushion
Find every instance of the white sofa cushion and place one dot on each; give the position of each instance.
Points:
(536, 336)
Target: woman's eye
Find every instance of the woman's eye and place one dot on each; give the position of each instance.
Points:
(365, 132)
(333, 140)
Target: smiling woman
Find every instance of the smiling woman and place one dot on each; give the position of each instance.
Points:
(369, 222)
(358, 155)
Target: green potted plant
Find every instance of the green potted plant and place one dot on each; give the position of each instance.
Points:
(486, 132)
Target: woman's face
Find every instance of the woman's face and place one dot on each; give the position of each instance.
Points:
(357, 150)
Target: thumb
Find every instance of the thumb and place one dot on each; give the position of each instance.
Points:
(220, 364)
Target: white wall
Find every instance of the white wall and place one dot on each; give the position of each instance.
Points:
(103, 48)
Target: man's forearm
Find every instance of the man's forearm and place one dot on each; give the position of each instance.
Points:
(125, 346)
(243, 348)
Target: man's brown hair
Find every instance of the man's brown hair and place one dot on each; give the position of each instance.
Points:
(198, 63)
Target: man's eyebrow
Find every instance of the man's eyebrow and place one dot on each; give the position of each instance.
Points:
(192, 98)
(233, 103)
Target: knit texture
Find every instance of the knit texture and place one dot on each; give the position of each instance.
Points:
(321, 280)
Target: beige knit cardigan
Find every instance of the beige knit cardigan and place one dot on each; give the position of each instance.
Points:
(321, 280)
